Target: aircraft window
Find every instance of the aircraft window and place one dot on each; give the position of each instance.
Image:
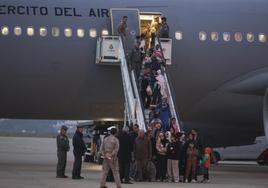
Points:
(17, 31)
(178, 35)
(43, 31)
(214, 36)
(238, 37)
(226, 36)
(5, 30)
(202, 36)
(105, 32)
(68, 32)
(92, 33)
(250, 37)
(55, 31)
(262, 37)
(80, 33)
(30, 31)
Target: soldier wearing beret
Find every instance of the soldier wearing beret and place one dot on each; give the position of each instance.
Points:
(62, 148)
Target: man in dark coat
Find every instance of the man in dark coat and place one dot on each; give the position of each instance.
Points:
(79, 150)
(133, 135)
(163, 31)
(142, 153)
(124, 155)
(199, 146)
(62, 148)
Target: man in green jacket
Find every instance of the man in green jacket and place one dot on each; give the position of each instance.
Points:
(62, 148)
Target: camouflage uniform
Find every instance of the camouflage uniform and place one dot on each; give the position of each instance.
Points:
(109, 149)
(122, 29)
(62, 148)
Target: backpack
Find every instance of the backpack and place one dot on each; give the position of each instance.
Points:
(150, 171)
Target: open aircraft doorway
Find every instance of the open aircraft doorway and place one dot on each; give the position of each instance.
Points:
(149, 22)
(132, 24)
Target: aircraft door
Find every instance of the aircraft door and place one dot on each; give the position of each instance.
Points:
(133, 24)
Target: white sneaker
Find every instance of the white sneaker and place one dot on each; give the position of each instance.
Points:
(176, 181)
(193, 181)
(186, 181)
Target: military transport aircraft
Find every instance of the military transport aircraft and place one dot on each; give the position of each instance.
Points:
(219, 71)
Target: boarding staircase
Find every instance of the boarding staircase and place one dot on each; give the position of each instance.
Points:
(133, 107)
(135, 113)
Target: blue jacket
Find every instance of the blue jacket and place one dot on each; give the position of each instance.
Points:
(165, 115)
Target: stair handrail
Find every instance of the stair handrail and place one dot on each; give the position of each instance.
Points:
(139, 106)
(170, 92)
(128, 90)
(134, 106)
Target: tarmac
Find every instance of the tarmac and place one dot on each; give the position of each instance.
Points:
(31, 163)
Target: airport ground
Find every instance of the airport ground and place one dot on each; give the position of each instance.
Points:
(31, 163)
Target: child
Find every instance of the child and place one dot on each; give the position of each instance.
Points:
(207, 161)
(191, 162)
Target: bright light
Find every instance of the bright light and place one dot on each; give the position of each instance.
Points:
(250, 37)
(68, 32)
(5, 30)
(202, 36)
(214, 36)
(105, 32)
(30, 31)
(226, 36)
(178, 35)
(80, 33)
(92, 33)
(262, 37)
(43, 31)
(17, 31)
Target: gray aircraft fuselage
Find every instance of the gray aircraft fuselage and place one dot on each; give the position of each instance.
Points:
(219, 86)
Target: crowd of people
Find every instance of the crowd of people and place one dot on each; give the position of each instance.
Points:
(132, 154)
(158, 155)
(148, 66)
(162, 153)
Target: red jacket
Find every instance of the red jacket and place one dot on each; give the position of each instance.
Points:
(207, 157)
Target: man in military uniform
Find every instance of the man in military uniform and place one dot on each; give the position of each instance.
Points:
(79, 150)
(122, 28)
(62, 148)
(109, 150)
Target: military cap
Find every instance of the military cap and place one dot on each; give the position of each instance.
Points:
(64, 127)
(80, 126)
